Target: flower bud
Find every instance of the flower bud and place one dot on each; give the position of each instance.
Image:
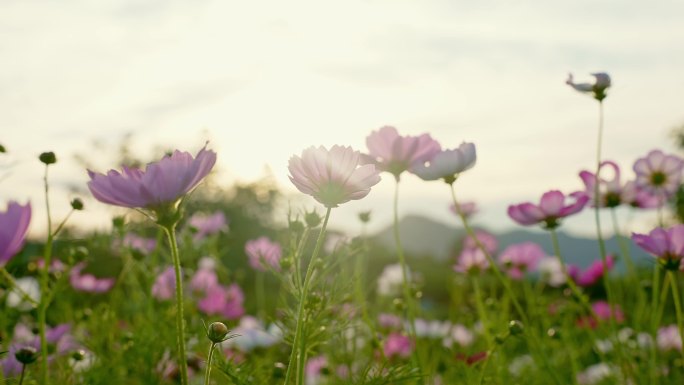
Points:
(516, 327)
(312, 219)
(364, 216)
(77, 204)
(2, 149)
(217, 332)
(26, 355)
(48, 157)
(78, 355)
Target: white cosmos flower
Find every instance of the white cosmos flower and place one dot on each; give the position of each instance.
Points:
(448, 164)
(28, 285)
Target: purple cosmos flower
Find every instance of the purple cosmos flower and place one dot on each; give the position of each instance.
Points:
(467, 208)
(520, 258)
(471, 260)
(161, 184)
(610, 190)
(164, 286)
(447, 164)
(88, 282)
(598, 88)
(551, 208)
(395, 154)
(397, 345)
(593, 273)
(206, 225)
(262, 252)
(640, 198)
(226, 301)
(658, 173)
(58, 338)
(13, 228)
(332, 176)
(667, 245)
(486, 239)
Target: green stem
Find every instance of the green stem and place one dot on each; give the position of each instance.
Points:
(44, 287)
(482, 312)
(404, 269)
(624, 246)
(654, 324)
(571, 283)
(170, 231)
(207, 372)
(678, 307)
(507, 288)
(663, 299)
(13, 284)
(23, 372)
(61, 225)
(294, 355)
(261, 302)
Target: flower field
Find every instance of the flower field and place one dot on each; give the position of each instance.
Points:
(196, 285)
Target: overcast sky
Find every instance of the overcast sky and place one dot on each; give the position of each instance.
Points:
(263, 80)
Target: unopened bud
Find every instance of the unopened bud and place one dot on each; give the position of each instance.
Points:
(364, 216)
(2, 148)
(78, 355)
(516, 327)
(312, 219)
(48, 157)
(77, 204)
(217, 332)
(26, 355)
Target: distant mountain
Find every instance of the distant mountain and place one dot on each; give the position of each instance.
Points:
(421, 236)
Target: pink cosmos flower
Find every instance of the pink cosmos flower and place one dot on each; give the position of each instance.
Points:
(13, 228)
(161, 184)
(610, 190)
(602, 311)
(598, 88)
(640, 198)
(667, 245)
(314, 369)
(658, 173)
(551, 208)
(205, 277)
(389, 321)
(206, 225)
(486, 239)
(395, 154)
(332, 176)
(593, 273)
(520, 258)
(397, 345)
(668, 338)
(263, 252)
(165, 285)
(226, 301)
(447, 164)
(88, 282)
(467, 208)
(471, 261)
(138, 243)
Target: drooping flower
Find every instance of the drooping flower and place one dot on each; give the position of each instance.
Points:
(263, 252)
(395, 154)
(448, 164)
(610, 190)
(592, 274)
(88, 282)
(658, 173)
(206, 225)
(14, 224)
(334, 176)
(551, 209)
(164, 285)
(667, 245)
(520, 258)
(466, 208)
(397, 345)
(160, 185)
(598, 88)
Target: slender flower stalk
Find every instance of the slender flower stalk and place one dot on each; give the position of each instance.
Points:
(678, 307)
(298, 354)
(44, 283)
(207, 372)
(170, 230)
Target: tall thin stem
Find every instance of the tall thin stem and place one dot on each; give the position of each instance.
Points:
(170, 231)
(295, 355)
(571, 283)
(44, 286)
(678, 307)
(482, 312)
(404, 268)
(654, 324)
(207, 372)
(507, 287)
(23, 372)
(624, 245)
